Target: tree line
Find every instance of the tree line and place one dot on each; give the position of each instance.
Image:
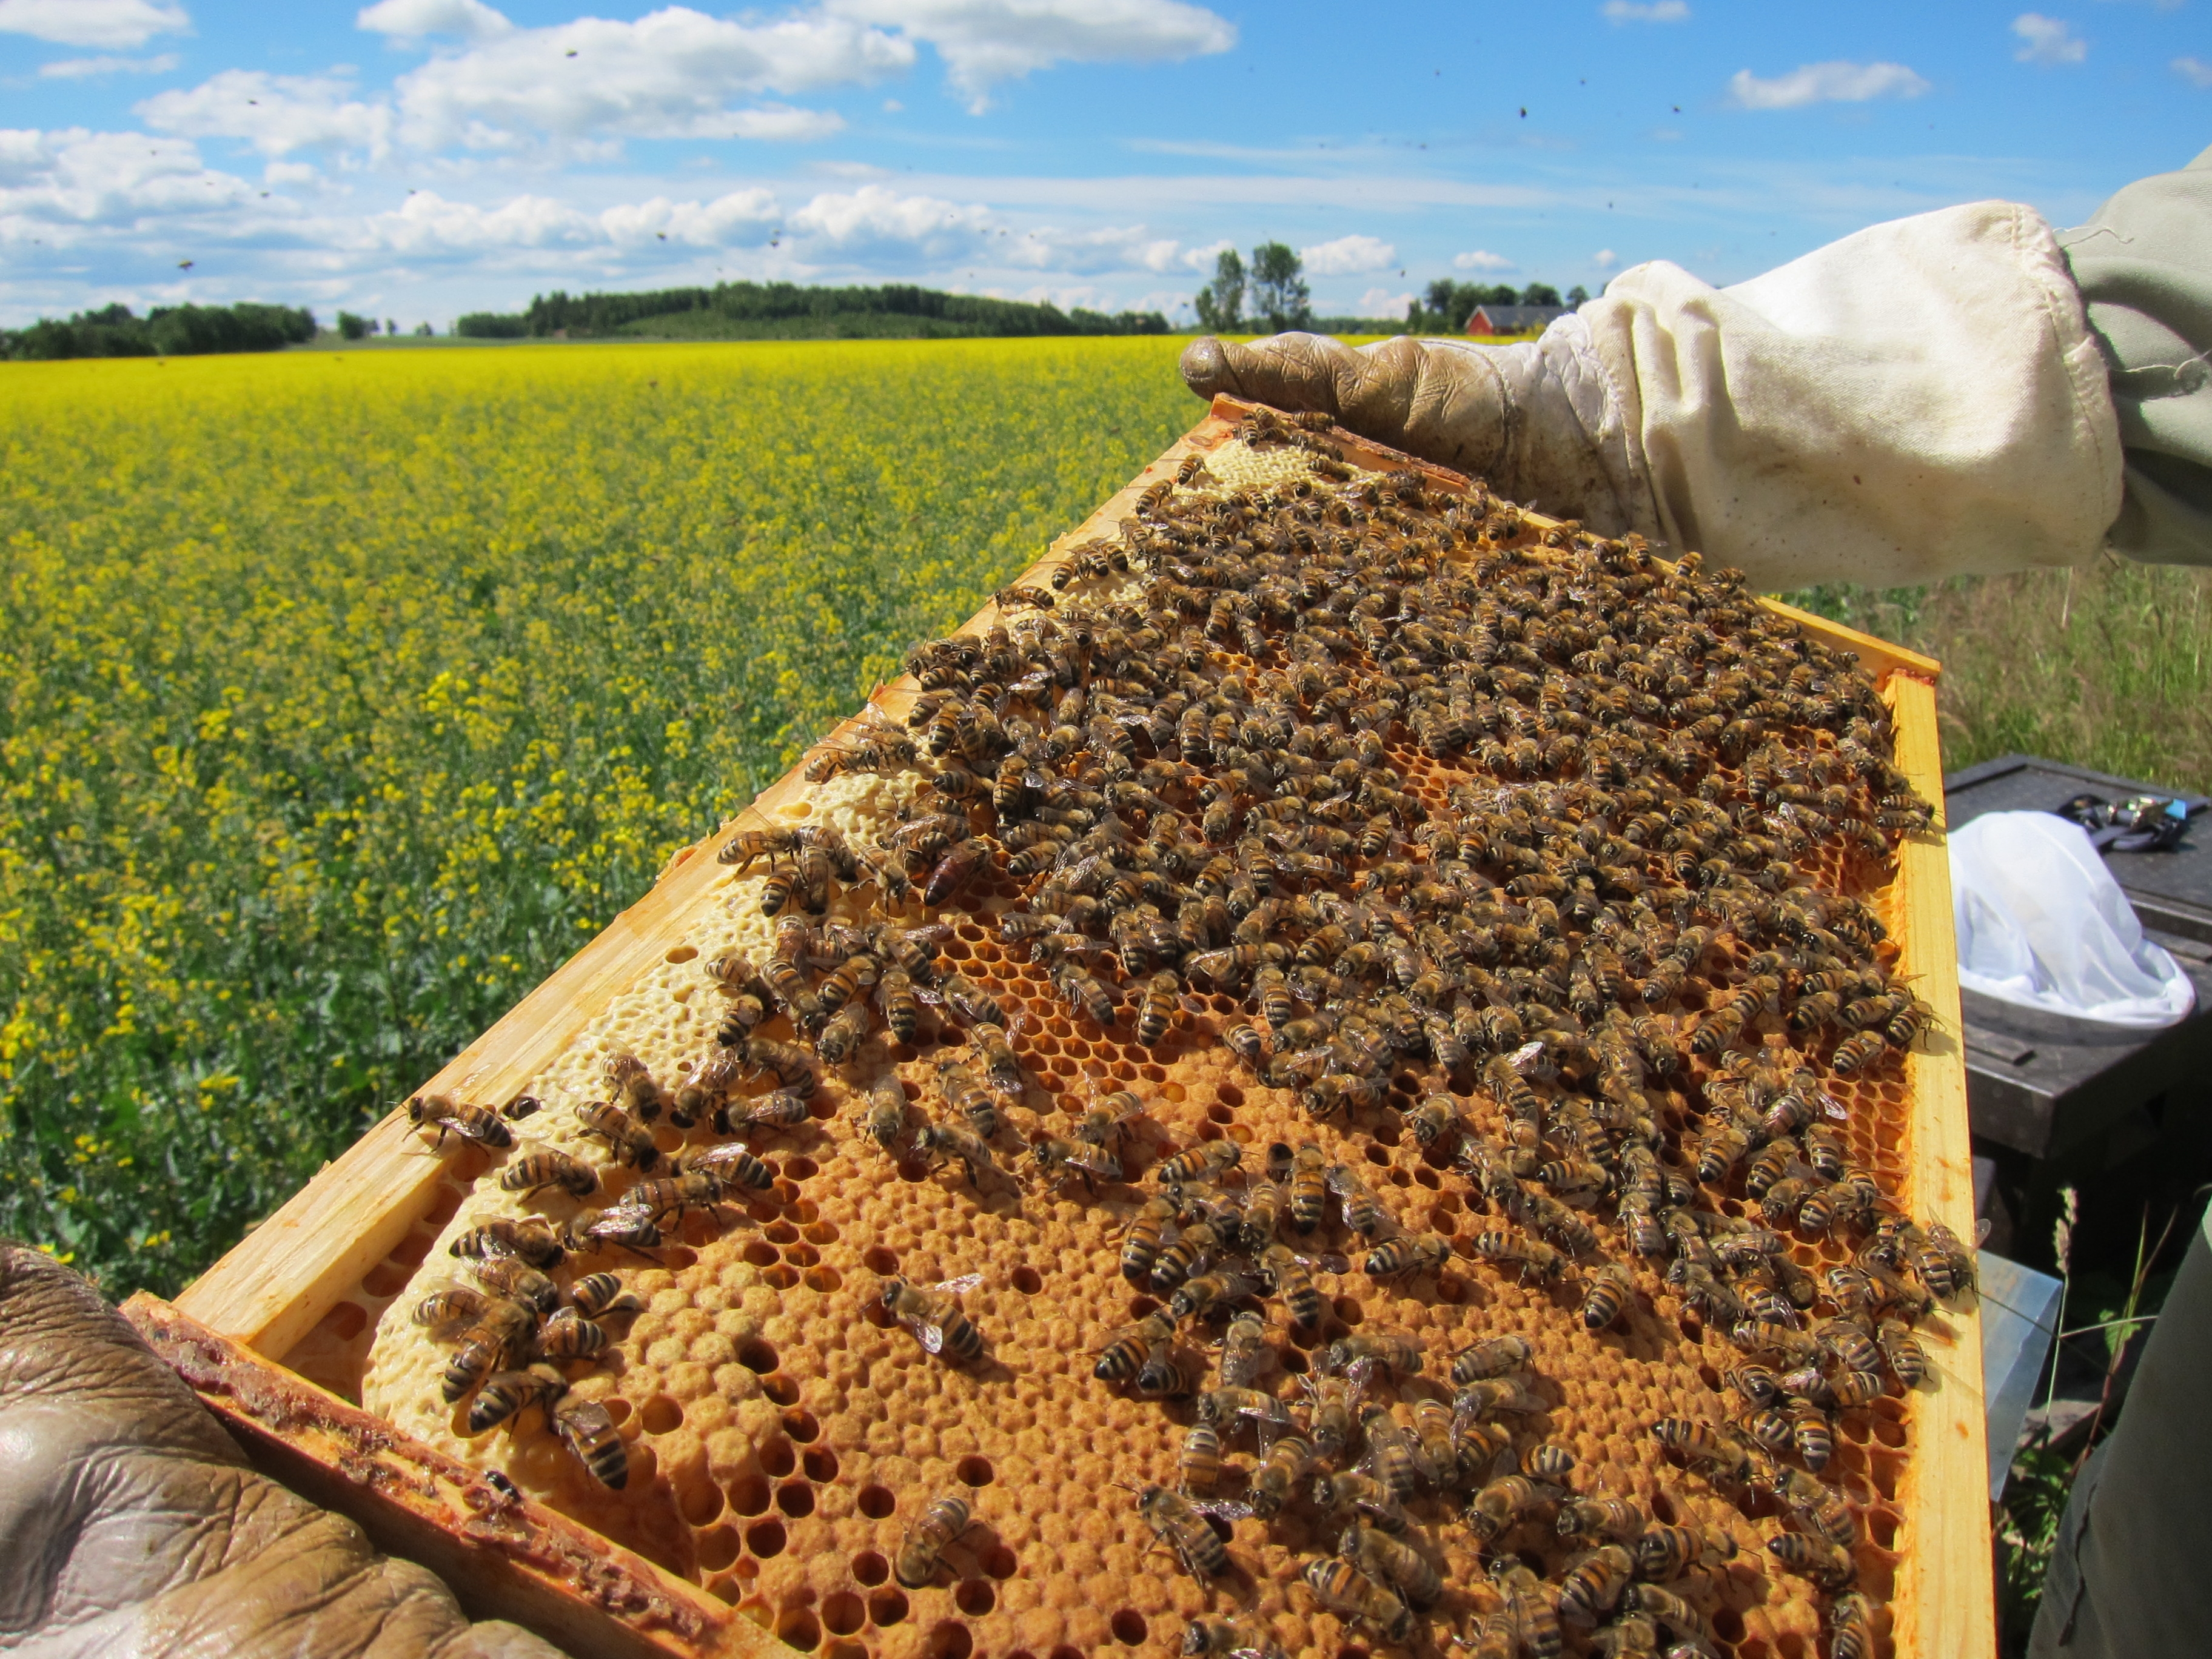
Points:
(1271, 293)
(740, 304)
(164, 332)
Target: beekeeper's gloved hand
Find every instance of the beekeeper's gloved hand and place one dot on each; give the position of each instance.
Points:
(130, 1523)
(1965, 390)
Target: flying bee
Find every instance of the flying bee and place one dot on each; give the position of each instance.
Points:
(531, 1239)
(933, 1314)
(921, 1551)
(1207, 1161)
(1403, 1257)
(535, 1171)
(506, 1394)
(443, 1116)
(1349, 1594)
(1829, 1565)
(1175, 1523)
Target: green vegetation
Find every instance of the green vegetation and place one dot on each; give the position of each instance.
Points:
(347, 694)
(787, 311)
(164, 332)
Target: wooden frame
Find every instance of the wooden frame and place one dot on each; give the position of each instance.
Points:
(230, 1331)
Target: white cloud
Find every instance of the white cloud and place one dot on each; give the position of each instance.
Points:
(73, 181)
(1348, 256)
(93, 22)
(427, 224)
(1644, 11)
(1605, 259)
(2195, 71)
(274, 113)
(1380, 302)
(1479, 260)
(674, 73)
(412, 19)
(2047, 39)
(984, 42)
(81, 69)
(874, 221)
(1835, 83)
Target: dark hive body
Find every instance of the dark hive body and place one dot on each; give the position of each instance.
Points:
(1499, 900)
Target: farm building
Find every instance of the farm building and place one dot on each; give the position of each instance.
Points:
(1513, 319)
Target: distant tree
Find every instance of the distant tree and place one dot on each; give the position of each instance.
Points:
(352, 327)
(425, 329)
(391, 327)
(1577, 295)
(1220, 303)
(1538, 293)
(1279, 287)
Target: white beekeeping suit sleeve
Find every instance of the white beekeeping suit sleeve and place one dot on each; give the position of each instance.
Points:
(1921, 399)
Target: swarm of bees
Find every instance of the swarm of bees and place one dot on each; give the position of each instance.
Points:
(1596, 966)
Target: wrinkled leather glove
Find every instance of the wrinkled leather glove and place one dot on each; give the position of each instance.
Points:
(1528, 419)
(132, 1523)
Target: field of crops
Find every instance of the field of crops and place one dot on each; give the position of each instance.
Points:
(347, 694)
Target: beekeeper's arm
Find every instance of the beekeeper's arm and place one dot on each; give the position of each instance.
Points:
(1966, 390)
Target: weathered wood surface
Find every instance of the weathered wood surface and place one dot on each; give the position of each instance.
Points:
(503, 1556)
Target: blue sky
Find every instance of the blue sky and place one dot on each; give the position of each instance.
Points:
(416, 159)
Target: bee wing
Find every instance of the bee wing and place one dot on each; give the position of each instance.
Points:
(1343, 1182)
(1524, 1058)
(931, 1337)
(965, 1282)
(1329, 1262)
(1227, 1509)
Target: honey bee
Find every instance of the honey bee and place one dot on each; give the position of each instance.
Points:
(1287, 1458)
(1207, 1161)
(841, 1035)
(533, 1240)
(1184, 1531)
(1531, 1258)
(629, 1140)
(729, 1166)
(1671, 1612)
(1850, 1628)
(922, 1550)
(1907, 1359)
(1392, 1456)
(1432, 1119)
(1493, 1357)
(943, 1139)
(538, 1170)
(1349, 1594)
(1704, 1446)
(1382, 1352)
(1390, 1560)
(1855, 1053)
(445, 1116)
(1615, 1520)
(747, 846)
(1503, 1503)
(1363, 1212)
(1194, 1296)
(782, 1108)
(960, 865)
(933, 1314)
(1404, 1256)
(597, 1295)
(568, 1335)
(587, 1429)
(1121, 1359)
(1199, 1467)
(506, 1394)
(1595, 1585)
(1666, 1553)
(1156, 1010)
(1607, 1295)
(590, 1230)
(1817, 1506)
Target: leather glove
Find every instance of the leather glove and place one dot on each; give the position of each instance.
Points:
(1921, 399)
(1527, 418)
(132, 1523)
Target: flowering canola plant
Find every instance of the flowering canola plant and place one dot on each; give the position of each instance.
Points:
(347, 694)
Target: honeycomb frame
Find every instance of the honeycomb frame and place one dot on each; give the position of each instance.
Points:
(1014, 1613)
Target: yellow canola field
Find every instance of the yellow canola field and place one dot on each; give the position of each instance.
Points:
(346, 694)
